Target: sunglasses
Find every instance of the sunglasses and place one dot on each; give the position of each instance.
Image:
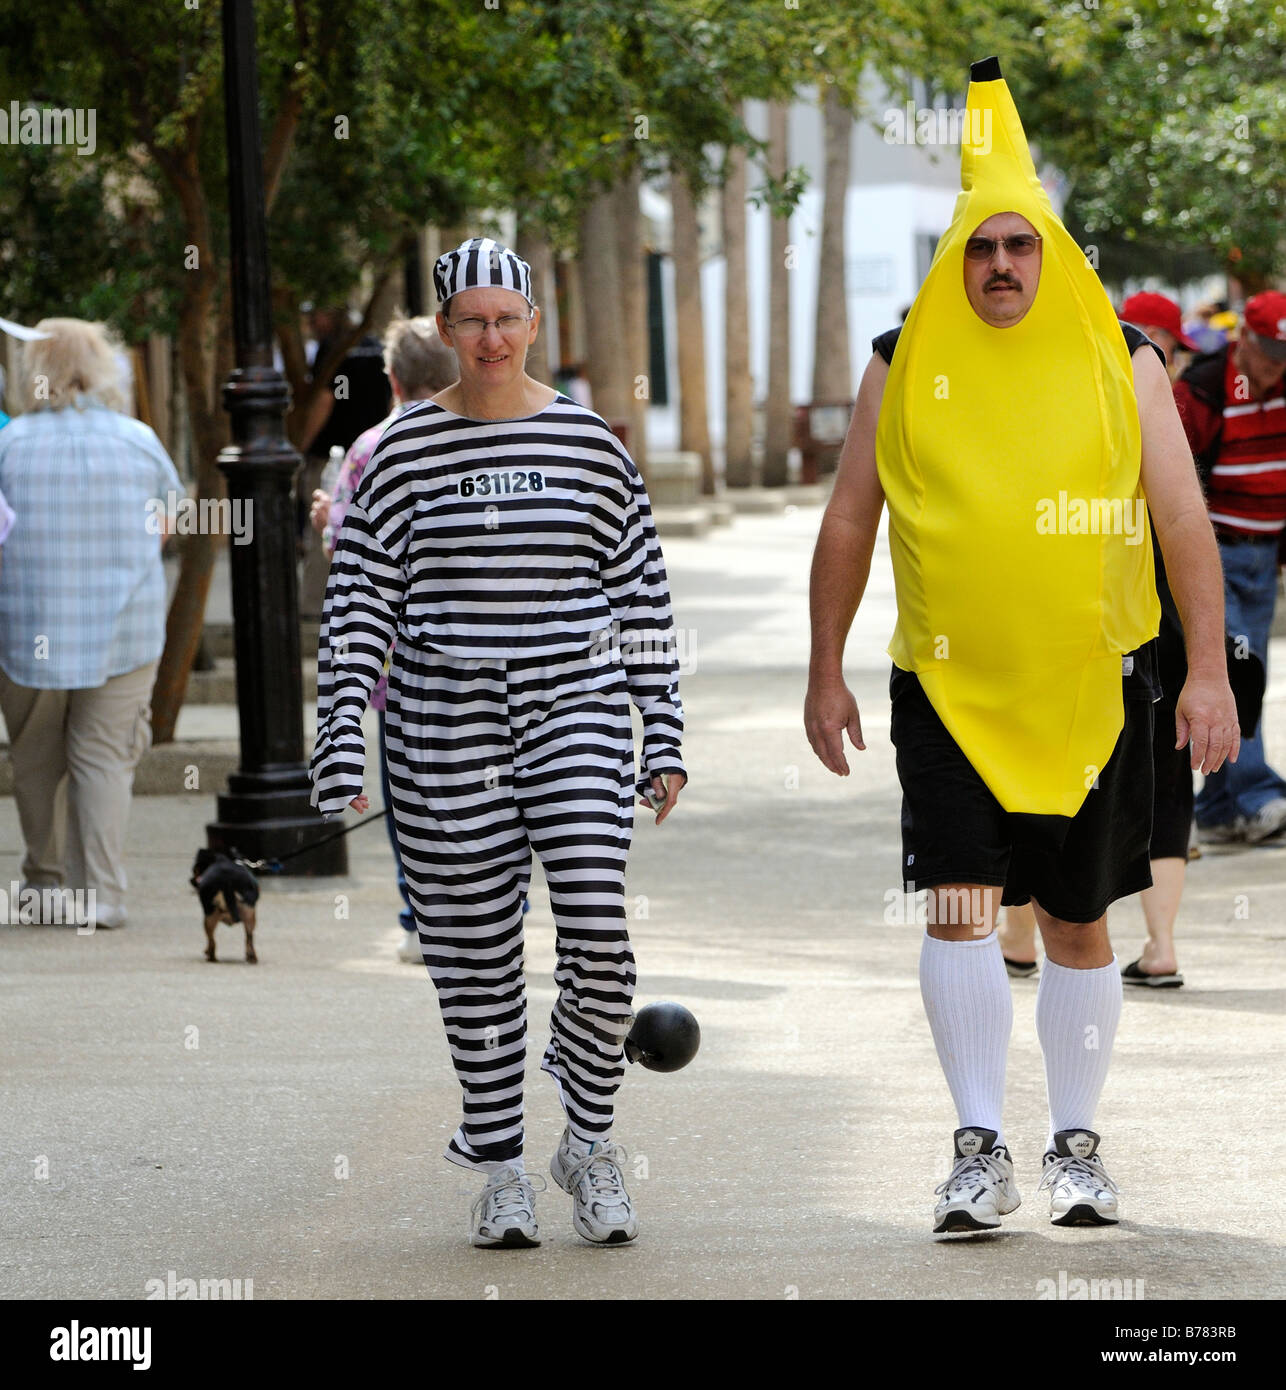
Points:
(983, 248)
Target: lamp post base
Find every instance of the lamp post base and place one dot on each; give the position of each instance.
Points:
(268, 815)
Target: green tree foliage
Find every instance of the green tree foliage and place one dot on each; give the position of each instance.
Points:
(1169, 118)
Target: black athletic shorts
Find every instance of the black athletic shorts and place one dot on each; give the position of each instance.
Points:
(955, 831)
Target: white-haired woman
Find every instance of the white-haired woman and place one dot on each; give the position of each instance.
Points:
(82, 615)
(504, 536)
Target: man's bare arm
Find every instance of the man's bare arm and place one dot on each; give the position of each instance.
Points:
(1207, 712)
(841, 567)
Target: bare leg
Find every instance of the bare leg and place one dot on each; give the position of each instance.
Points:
(1076, 945)
(1160, 908)
(962, 911)
(1017, 932)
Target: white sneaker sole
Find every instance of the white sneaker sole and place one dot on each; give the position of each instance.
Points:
(962, 1219)
(512, 1238)
(1084, 1214)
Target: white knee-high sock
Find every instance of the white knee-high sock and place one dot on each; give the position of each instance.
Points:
(965, 989)
(1076, 1016)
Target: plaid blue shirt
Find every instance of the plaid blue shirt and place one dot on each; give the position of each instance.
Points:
(82, 588)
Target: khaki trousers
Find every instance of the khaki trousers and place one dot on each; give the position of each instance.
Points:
(74, 753)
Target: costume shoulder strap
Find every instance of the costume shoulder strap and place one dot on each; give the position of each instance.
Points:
(1135, 338)
(886, 343)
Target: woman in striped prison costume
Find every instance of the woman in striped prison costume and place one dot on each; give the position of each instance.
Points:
(502, 534)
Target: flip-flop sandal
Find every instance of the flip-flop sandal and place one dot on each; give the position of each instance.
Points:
(1020, 969)
(1133, 975)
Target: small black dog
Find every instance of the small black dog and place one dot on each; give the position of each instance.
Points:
(228, 893)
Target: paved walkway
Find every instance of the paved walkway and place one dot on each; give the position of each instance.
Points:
(284, 1123)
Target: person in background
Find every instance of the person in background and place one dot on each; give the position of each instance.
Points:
(1158, 316)
(1199, 329)
(359, 396)
(1231, 404)
(573, 382)
(419, 365)
(82, 612)
(1225, 324)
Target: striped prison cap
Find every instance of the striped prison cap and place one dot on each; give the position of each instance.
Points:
(480, 263)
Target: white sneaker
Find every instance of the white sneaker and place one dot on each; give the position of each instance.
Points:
(1080, 1191)
(505, 1213)
(601, 1207)
(1268, 821)
(980, 1187)
(409, 948)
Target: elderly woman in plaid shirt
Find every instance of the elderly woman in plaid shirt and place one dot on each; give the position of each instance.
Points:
(82, 615)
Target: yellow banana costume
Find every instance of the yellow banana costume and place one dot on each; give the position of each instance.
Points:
(1011, 610)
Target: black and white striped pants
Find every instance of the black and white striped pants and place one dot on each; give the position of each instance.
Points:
(488, 760)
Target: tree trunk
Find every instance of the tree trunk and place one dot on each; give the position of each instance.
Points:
(778, 412)
(186, 618)
(199, 334)
(832, 374)
(636, 361)
(600, 283)
(736, 324)
(205, 354)
(534, 249)
(694, 420)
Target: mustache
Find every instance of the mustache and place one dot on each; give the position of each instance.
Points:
(999, 279)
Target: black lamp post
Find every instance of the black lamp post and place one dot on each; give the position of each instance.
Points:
(266, 813)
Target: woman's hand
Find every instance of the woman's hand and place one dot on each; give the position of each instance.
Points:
(667, 786)
(320, 513)
(361, 803)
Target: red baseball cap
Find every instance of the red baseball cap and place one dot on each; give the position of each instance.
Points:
(1157, 311)
(1266, 319)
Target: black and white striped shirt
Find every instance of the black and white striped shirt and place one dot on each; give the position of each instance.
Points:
(496, 540)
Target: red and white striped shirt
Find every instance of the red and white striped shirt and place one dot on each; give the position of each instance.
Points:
(1247, 488)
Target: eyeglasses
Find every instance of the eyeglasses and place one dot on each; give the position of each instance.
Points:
(475, 328)
(983, 248)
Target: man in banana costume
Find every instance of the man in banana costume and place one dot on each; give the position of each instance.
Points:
(1022, 437)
